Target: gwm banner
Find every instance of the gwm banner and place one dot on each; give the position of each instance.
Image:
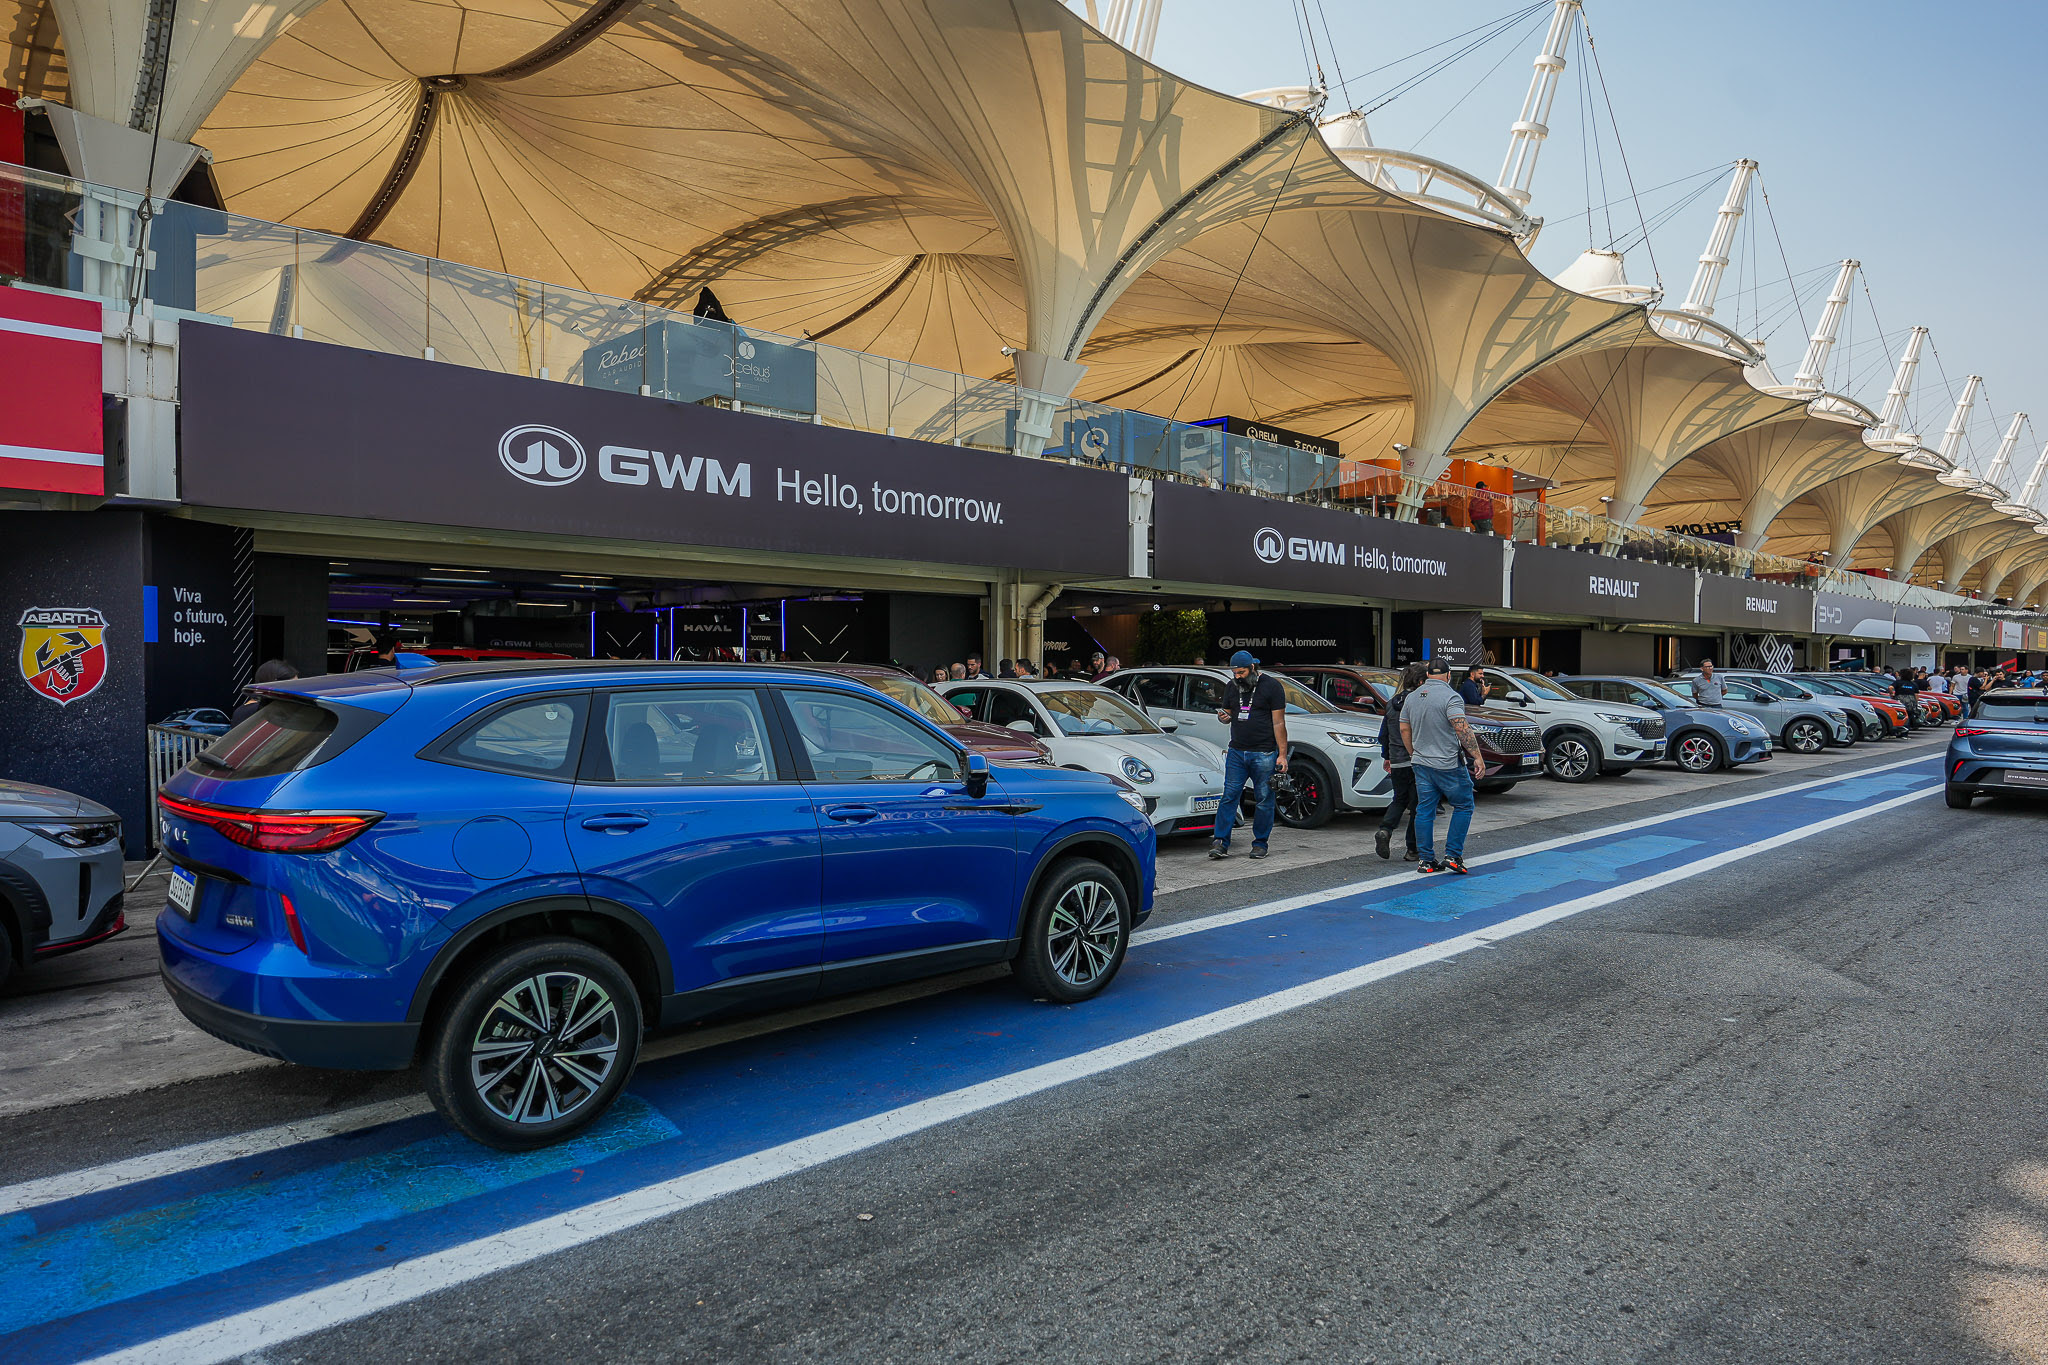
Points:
(277, 424)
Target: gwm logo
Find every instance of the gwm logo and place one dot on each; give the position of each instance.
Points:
(1272, 547)
(547, 456)
(550, 457)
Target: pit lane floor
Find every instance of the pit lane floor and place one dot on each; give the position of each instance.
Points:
(1711, 1059)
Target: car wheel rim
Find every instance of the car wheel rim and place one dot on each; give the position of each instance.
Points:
(1806, 737)
(1082, 932)
(1570, 759)
(545, 1047)
(1696, 752)
(1299, 801)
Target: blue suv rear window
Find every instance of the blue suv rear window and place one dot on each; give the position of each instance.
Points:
(281, 737)
(1994, 706)
(535, 736)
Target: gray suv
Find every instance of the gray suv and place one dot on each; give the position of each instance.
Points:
(60, 874)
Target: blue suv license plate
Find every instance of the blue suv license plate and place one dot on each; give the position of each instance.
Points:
(184, 892)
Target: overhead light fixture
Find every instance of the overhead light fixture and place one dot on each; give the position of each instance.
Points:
(441, 568)
(541, 604)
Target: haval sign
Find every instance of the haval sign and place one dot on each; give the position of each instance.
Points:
(391, 439)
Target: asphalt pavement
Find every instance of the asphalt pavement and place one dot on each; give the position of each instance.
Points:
(1754, 1078)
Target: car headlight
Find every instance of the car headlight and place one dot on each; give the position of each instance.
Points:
(88, 835)
(1351, 741)
(1613, 719)
(1132, 799)
(1136, 770)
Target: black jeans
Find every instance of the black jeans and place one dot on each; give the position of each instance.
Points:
(1402, 804)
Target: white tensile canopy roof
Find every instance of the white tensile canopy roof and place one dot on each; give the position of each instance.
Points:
(936, 180)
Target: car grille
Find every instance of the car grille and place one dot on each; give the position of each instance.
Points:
(1652, 728)
(1516, 739)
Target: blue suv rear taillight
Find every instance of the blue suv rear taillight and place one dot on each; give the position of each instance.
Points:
(275, 831)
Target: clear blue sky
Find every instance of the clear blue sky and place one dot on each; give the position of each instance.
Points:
(1907, 136)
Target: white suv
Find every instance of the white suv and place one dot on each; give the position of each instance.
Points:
(1333, 756)
(1581, 739)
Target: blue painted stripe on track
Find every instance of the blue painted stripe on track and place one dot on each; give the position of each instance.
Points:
(85, 1265)
(742, 1097)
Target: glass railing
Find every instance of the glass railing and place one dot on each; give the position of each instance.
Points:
(243, 272)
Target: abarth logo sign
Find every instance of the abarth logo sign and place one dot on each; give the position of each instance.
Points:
(547, 456)
(63, 652)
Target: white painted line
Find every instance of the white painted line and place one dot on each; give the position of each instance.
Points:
(50, 455)
(49, 329)
(319, 1309)
(1246, 913)
(29, 1194)
(96, 1179)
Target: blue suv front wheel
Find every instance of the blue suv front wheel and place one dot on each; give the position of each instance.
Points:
(1076, 934)
(537, 1041)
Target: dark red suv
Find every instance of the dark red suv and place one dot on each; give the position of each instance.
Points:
(1510, 744)
(996, 743)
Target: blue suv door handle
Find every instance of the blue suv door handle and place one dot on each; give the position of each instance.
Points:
(852, 814)
(616, 824)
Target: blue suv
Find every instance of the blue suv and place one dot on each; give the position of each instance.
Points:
(2000, 748)
(509, 872)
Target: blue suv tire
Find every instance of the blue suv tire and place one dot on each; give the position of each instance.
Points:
(535, 1044)
(1076, 935)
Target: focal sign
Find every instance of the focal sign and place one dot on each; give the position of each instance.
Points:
(1204, 536)
(1575, 583)
(1745, 604)
(276, 424)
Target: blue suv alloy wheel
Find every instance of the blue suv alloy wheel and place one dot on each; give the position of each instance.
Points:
(510, 873)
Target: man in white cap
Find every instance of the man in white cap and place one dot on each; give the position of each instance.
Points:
(1255, 707)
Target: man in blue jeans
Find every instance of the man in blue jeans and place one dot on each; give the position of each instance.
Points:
(1255, 707)
(1445, 760)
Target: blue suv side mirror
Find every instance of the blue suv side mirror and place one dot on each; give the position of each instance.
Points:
(977, 776)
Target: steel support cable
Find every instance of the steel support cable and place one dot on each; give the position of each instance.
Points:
(1459, 102)
(157, 80)
(1507, 20)
(1772, 214)
(1659, 219)
(1330, 37)
(1257, 238)
(1437, 68)
(1620, 148)
(1714, 170)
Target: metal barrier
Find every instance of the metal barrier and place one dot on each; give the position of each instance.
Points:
(169, 750)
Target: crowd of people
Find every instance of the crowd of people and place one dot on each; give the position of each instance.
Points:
(1094, 668)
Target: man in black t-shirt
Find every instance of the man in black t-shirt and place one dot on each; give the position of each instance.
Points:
(1255, 706)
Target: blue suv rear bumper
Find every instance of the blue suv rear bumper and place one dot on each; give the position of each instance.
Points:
(330, 1043)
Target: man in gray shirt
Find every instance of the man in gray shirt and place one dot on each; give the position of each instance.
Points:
(1446, 761)
(1706, 688)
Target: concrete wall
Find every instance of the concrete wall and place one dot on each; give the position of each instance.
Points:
(1603, 651)
(91, 742)
(293, 589)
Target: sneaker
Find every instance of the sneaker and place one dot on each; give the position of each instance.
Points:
(1411, 856)
(1427, 866)
(1452, 863)
(1382, 841)
(1258, 851)
(1219, 849)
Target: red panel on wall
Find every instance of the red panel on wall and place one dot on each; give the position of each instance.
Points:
(50, 422)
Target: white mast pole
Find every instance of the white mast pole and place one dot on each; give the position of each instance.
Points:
(1952, 439)
(1814, 366)
(2001, 463)
(1146, 29)
(1894, 414)
(2033, 488)
(1706, 281)
(1525, 139)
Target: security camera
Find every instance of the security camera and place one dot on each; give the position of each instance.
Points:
(1009, 350)
(1398, 446)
